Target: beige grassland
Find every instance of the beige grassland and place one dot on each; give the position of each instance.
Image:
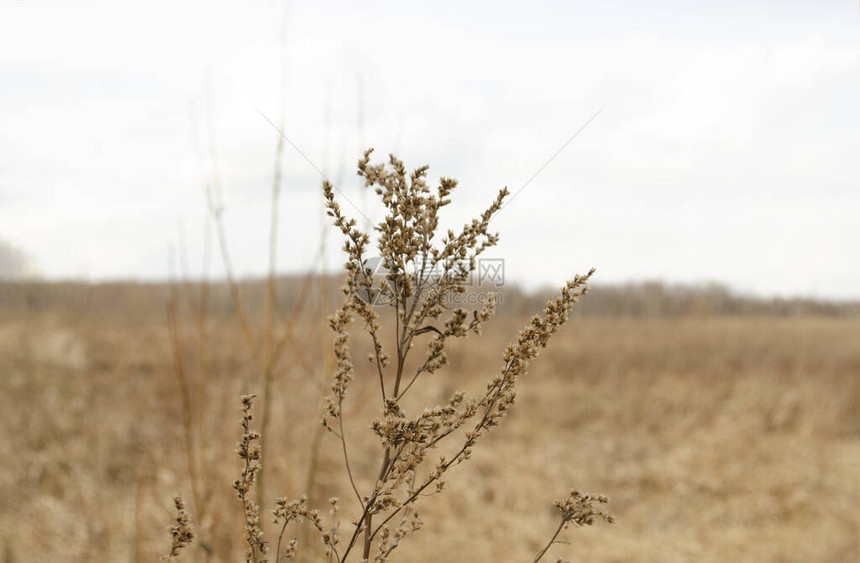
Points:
(717, 438)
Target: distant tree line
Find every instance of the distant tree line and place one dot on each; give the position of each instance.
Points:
(632, 300)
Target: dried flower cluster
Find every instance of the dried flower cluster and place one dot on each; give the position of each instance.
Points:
(250, 453)
(579, 509)
(287, 511)
(181, 532)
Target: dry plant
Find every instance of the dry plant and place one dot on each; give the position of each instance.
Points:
(423, 277)
(577, 509)
(191, 382)
(266, 347)
(181, 531)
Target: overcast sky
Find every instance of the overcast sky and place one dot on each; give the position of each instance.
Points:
(728, 148)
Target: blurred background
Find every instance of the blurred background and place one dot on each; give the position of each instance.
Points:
(163, 247)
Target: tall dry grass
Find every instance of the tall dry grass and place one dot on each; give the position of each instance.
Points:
(716, 437)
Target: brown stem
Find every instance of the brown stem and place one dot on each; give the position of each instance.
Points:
(346, 457)
(185, 395)
(551, 541)
(368, 537)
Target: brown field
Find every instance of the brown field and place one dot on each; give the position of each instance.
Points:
(718, 438)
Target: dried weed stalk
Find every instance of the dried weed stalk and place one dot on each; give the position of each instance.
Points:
(250, 453)
(181, 532)
(423, 273)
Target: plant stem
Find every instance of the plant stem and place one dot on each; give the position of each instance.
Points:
(551, 541)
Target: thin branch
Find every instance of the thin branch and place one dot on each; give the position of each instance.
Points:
(342, 437)
(551, 541)
(235, 293)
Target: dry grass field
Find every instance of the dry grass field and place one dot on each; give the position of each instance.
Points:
(717, 438)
